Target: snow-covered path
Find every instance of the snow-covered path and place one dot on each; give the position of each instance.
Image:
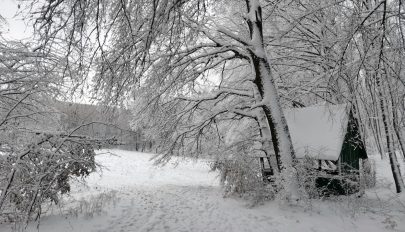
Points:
(133, 195)
(174, 208)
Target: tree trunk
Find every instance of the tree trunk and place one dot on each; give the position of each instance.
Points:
(395, 123)
(396, 172)
(264, 81)
(380, 101)
(266, 136)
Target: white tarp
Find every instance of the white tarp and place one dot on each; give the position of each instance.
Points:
(318, 131)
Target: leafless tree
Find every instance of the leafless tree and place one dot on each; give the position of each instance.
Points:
(191, 67)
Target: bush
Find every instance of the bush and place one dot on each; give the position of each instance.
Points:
(40, 172)
(316, 183)
(241, 176)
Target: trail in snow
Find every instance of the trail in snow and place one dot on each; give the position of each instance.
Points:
(174, 208)
(133, 195)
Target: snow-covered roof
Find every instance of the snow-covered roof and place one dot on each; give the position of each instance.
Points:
(318, 131)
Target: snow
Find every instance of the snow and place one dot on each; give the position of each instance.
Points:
(133, 195)
(137, 169)
(318, 131)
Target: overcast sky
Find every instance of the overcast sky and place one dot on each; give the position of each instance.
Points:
(15, 28)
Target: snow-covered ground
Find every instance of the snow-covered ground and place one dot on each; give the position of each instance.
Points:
(133, 195)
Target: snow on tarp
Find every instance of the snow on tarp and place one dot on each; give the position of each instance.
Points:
(318, 131)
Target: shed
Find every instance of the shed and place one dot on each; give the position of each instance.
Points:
(329, 135)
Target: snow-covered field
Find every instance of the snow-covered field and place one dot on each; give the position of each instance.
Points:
(131, 194)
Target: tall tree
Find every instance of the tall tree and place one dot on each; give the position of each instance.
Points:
(37, 159)
(202, 63)
(168, 47)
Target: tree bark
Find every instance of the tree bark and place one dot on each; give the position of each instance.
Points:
(396, 172)
(264, 80)
(380, 101)
(266, 136)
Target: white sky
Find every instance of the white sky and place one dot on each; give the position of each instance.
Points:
(15, 28)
